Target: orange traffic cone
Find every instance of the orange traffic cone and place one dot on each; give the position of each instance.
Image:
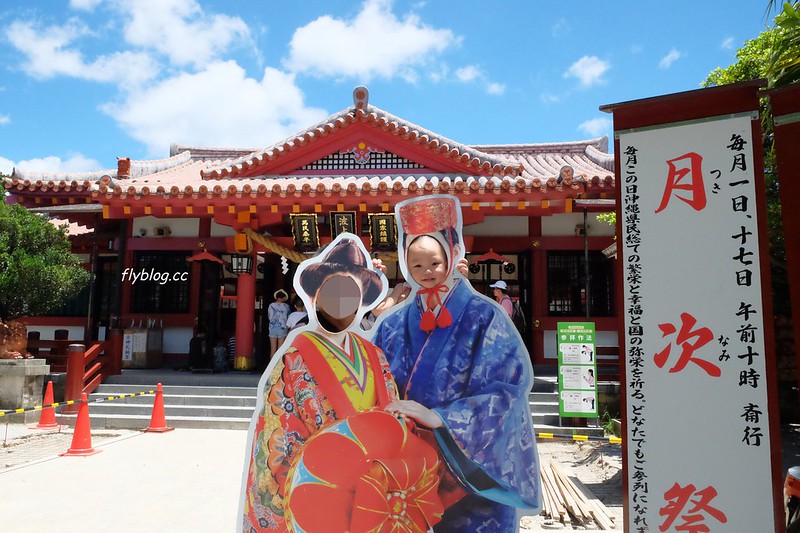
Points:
(82, 437)
(47, 420)
(158, 423)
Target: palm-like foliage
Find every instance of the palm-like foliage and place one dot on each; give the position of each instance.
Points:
(784, 61)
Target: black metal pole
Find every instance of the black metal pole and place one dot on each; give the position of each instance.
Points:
(587, 272)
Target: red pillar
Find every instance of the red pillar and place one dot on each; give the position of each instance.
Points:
(245, 314)
(115, 351)
(75, 370)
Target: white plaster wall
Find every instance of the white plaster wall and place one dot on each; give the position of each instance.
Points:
(602, 338)
(513, 226)
(176, 340)
(179, 227)
(84, 257)
(219, 230)
(47, 333)
(564, 225)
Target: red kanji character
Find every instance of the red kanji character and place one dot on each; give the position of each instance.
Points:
(695, 186)
(686, 333)
(693, 522)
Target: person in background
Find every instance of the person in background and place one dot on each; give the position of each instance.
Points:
(278, 313)
(298, 317)
(199, 350)
(231, 350)
(500, 292)
(220, 357)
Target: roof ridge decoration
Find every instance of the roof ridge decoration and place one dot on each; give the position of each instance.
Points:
(127, 168)
(25, 175)
(460, 157)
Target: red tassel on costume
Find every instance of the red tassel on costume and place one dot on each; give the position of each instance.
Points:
(444, 319)
(428, 322)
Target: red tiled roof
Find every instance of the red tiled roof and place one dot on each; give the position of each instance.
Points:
(443, 147)
(221, 172)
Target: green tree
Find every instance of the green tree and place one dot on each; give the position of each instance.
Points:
(38, 272)
(784, 60)
(753, 61)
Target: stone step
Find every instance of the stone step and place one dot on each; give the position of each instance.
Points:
(179, 399)
(113, 389)
(119, 421)
(227, 401)
(211, 411)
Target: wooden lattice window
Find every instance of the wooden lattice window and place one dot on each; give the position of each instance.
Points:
(566, 284)
(160, 296)
(347, 161)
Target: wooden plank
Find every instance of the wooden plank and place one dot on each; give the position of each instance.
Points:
(601, 508)
(574, 493)
(566, 498)
(562, 510)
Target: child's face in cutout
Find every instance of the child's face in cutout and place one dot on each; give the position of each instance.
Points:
(427, 262)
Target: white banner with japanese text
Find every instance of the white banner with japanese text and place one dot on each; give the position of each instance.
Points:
(696, 419)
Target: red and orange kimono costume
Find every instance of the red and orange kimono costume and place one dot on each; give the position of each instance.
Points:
(315, 384)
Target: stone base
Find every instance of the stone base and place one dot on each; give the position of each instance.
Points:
(21, 386)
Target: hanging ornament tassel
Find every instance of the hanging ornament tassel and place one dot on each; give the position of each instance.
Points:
(444, 319)
(428, 321)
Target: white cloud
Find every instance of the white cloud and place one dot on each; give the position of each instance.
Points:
(6, 166)
(473, 73)
(548, 98)
(439, 75)
(181, 30)
(51, 164)
(495, 88)
(560, 28)
(4, 119)
(375, 43)
(727, 43)
(468, 73)
(49, 54)
(84, 5)
(596, 127)
(669, 59)
(218, 106)
(589, 70)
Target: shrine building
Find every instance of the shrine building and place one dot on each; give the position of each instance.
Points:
(221, 229)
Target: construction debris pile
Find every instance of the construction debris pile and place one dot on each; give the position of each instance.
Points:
(569, 502)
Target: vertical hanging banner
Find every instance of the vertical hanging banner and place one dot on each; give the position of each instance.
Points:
(383, 232)
(343, 222)
(698, 428)
(305, 232)
(577, 370)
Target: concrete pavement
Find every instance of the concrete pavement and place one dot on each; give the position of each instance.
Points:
(182, 480)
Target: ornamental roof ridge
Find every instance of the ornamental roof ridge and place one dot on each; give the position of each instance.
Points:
(379, 119)
(25, 175)
(213, 153)
(463, 148)
(600, 144)
(143, 167)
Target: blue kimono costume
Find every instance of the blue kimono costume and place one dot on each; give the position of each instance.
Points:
(476, 375)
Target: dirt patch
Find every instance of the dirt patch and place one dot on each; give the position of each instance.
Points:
(33, 447)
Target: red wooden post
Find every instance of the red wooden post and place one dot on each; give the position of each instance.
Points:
(114, 351)
(75, 371)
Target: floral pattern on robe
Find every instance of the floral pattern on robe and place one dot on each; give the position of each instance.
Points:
(293, 408)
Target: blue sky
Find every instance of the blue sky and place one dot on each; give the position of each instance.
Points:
(86, 81)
